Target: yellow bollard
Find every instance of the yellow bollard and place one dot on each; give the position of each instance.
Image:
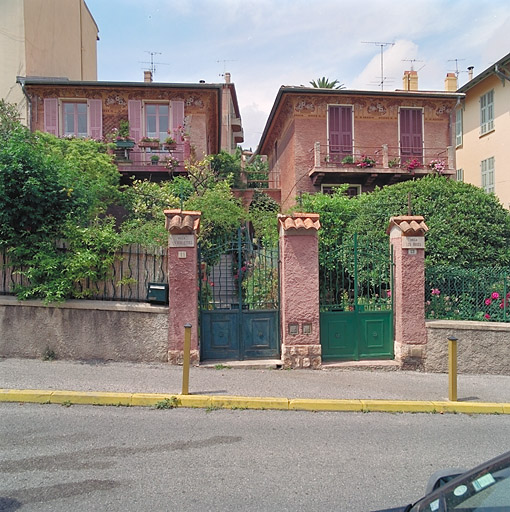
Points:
(452, 368)
(186, 359)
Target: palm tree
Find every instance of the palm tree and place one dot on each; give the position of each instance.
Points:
(324, 83)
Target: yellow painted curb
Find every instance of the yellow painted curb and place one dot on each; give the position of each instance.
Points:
(471, 407)
(198, 401)
(242, 402)
(90, 398)
(323, 404)
(37, 396)
(397, 406)
(150, 399)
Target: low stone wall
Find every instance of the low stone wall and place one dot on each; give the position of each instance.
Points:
(85, 330)
(482, 347)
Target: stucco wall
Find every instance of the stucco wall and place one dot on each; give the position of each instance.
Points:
(482, 347)
(84, 330)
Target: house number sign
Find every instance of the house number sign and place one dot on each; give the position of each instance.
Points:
(181, 241)
(413, 242)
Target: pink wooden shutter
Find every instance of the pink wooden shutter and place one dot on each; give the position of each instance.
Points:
(346, 130)
(340, 132)
(51, 115)
(135, 119)
(95, 108)
(177, 118)
(411, 133)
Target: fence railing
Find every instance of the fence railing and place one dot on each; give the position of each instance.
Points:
(134, 268)
(467, 294)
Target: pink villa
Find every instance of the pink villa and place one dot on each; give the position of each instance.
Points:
(202, 117)
(316, 139)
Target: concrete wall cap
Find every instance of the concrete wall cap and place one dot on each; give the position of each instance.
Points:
(307, 221)
(182, 222)
(410, 225)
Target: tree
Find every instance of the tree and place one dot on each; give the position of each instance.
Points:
(325, 83)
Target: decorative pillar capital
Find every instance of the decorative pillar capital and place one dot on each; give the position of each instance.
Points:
(299, 224)
(181, 222)
(407, 225)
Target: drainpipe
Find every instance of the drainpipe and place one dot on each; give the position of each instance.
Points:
(21, 81)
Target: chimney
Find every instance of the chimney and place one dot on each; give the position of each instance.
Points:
(470, 72)
(147, 76)
(410, 80)
(227, 78)
(450, 82)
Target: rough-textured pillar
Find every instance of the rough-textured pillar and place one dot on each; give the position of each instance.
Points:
(299, 293)
(183, 227)
(407, 238)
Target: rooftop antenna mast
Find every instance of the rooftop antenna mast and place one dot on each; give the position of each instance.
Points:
(382, 45)
(152, 64)
(457, 72)
(412, 61)
(225, 65)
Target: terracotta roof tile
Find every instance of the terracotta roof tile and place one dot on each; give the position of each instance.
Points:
(305, 221)
(182, 222)
(410, 225)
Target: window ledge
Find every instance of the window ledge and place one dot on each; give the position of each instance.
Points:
(480, 135)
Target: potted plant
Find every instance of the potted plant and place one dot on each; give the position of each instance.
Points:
(412, 165)
(149, 142)
(154, 159)
(348, 160)
(393, 163)
(437, 166)
(122, 138)
(170, 143)
(365, 161)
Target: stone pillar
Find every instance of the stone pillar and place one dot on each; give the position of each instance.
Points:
(183, 227)
(299, 292)
(408, 242)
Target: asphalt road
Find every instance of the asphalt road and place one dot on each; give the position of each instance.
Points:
(85, 458)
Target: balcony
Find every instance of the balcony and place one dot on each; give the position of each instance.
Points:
(144, 160)
(384, 163)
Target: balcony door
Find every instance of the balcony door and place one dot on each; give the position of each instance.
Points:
(411, 134)
(339, 132)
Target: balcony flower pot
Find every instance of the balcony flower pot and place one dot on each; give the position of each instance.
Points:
(152, 144)
(124, 144)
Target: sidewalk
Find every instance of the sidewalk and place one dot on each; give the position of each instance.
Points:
(213, 384)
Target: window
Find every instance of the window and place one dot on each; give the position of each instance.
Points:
(352, 190)
(340, 132)
(156, 121)
(458, 127)
(488, 174)
(460, 175)
(74, 119)
(487, 112)
(411, 134)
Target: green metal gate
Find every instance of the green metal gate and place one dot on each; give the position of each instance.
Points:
(356, 303)
(239, 300)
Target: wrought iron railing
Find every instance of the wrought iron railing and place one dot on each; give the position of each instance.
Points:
(385, 157)
(134, 268)
(467, 294)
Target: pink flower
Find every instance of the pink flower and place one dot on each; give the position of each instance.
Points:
(435, 291)
(495, 295)
(488, 302)
(388, 293)
(487, 316)
(243, 269)
(502, 305)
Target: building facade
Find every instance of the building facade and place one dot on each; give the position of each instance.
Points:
(45, 38)
(317, 139)
(482, 131)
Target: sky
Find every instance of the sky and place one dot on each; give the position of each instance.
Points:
(265, 44)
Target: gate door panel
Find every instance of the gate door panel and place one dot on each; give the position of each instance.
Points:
(355, 300)
(239, 300)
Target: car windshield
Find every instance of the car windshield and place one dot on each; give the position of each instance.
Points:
(487, 490)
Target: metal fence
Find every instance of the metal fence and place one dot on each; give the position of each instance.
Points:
(134, 268)
(467, 294)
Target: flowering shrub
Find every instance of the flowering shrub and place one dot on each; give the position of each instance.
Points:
(497, 306)
(413, 164)
(437, 166)
(365, 161)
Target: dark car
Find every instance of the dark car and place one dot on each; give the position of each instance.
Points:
(485, 488)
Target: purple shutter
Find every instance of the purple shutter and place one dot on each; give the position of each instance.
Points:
(135, 119)
(177, 108)
(411, 134)
(95, 119)
(340, 132)
(51, 115)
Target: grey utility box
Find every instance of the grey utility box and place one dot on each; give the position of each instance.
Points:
(157, 293)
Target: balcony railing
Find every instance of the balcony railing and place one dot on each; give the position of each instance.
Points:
(383, 158)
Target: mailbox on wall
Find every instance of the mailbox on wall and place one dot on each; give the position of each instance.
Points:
(157, 293)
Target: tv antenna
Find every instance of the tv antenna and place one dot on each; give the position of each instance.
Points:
(225, 65)
(152, 64)
(412, 61)
(382, 45)
(457, 72)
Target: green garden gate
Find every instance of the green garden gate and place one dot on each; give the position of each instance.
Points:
(239, 300)
(356, 303)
